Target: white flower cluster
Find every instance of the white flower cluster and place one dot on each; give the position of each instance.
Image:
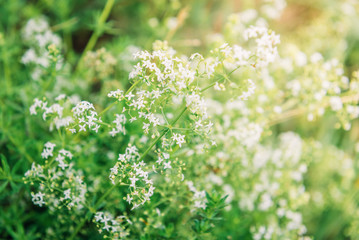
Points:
(162, 159)
(139, 107)
(119, 122)
(82, 116)
(197, 105)
(271, 231)
(264, 52)
(55, 111)
(328, 75)
(271, 179)
(115, 228)
(48, 150)
(234, 57)
(85, 117)
(166, 75)
(199, 197)
(324, 86)
(101, 63)
(245, 132)
(115, 94)
(249, 92)
(39, 36)
(59, 184)
(178, 138)
(36, 170)
(129, 171)
(126, 57)
(266, 41)
(38, 198)
(336, 103)
(331, 162)
(161, 77)
(38, 30)
(278, 179)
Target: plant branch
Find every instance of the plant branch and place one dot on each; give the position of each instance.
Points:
(96, 34)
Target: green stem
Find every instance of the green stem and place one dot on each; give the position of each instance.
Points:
(50, 82)
(171, 125)
(162, 134)
(233, 70)
(114, 103)
(209, 86)
(64, 25)
(95, 35)
(104, 15)
(105, 195)
(6, 69)
(61, 137)
(225, 77)
(91, 211)
(107, 108)
(133, 85)
(77, 229)
(175, 128)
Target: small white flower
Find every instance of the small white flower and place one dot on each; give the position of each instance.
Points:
(67, 194)
(167, 165)
(38, 198)
(336, 103)
(160, 160)
(129, 198)
(178, 138)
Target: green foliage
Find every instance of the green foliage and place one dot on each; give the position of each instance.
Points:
(207, 218)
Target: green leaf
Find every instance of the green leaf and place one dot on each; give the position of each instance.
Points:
(209, 198)
(5, 165)
(14, 186)
(16, 166)
(3, 186)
